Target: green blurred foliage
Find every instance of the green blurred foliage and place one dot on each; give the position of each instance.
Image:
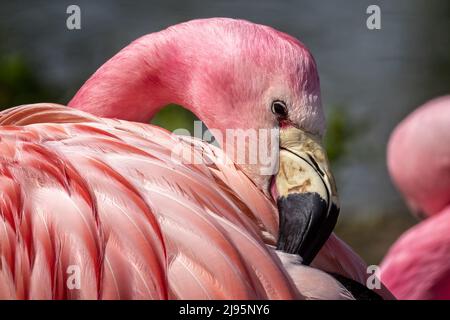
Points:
(339, 133)
(173, 117)
(19, 85)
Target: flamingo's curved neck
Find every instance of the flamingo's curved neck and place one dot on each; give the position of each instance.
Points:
(137, 82)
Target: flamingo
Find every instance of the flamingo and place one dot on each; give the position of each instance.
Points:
(417, 265)
(139, 213)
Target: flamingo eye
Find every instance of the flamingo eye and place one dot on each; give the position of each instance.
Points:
(279, 109)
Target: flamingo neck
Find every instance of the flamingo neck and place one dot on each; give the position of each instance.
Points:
(137, 82)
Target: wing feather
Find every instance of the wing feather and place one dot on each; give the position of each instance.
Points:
(113, 199)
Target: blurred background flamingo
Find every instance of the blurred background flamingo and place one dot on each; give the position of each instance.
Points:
(417, 266)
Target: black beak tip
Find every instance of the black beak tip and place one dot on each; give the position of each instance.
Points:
(305, 224)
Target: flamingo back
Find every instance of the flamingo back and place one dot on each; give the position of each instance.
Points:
(117, 204)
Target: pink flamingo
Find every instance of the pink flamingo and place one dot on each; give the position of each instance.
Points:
(417, 266)
(110, 201)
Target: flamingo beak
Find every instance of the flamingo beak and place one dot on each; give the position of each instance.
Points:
(306, 195)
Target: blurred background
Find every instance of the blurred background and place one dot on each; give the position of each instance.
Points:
(371, 79)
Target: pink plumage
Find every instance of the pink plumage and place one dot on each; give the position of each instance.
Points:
(416, 267)
(118, 200)
(99, 194)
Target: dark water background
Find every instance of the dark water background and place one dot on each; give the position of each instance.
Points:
(370, 79)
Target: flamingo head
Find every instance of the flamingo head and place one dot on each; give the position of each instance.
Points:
(419, 157)
(258, 92)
